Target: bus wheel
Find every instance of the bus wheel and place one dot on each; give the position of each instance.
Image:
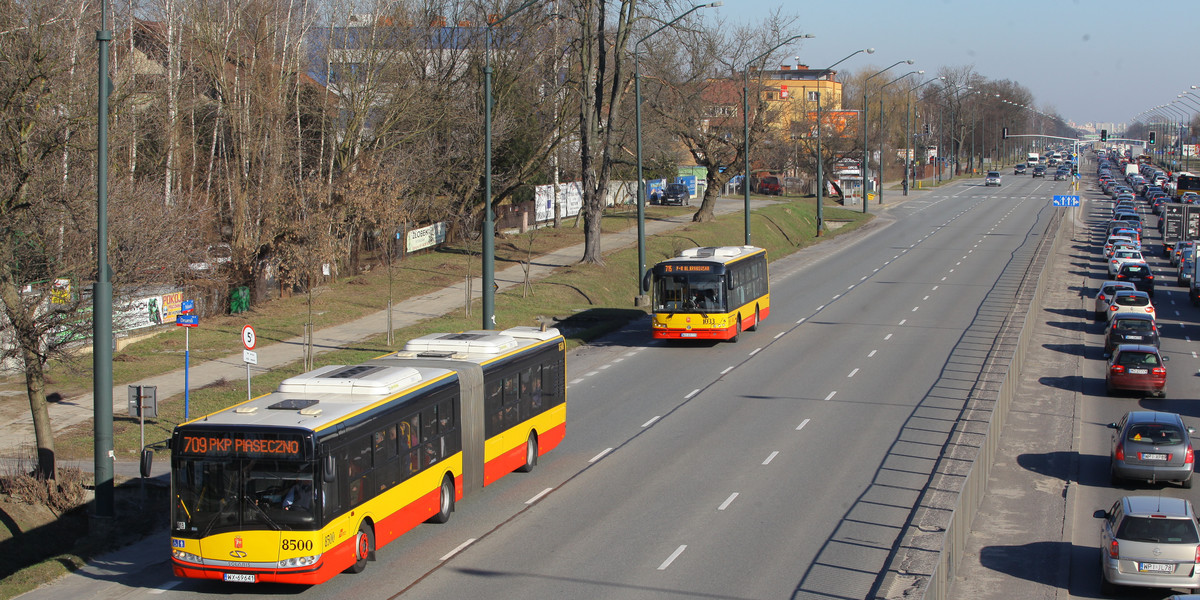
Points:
(754, 327)
(364, 545)
(445, 501)
(738, 331)
(531, 453)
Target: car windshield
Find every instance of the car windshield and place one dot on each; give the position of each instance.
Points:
(1135, 358)
(1133, 326)
(1159, 434)
(1127, 254)
(993, 174)
(1135, 270)
(1158, 530)
(1132, 300)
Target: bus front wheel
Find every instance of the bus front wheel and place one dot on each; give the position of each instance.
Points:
(531, 453)
(445, 501)
(364, 545)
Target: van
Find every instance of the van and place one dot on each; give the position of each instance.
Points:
(770, 185)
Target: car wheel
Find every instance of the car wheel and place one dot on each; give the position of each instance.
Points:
(445, 501)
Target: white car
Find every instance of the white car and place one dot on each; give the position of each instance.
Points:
(1131, 301)
(1112, 242)
(1104, 297)
(1120, 257)
(993, 178)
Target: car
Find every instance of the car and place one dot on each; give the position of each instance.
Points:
(1139, 274)
(1186, 266)
(1019, 169)
(1130, 328)
(1121, 257)
(1149, 541)
(1151, 446)
(1039, 171)
(1189, 198)
(770, 185)
(676, 193)
(993, 178)
(1104, 296)
(1062, 174)
(1179, 249)
(1113, 241)
(1136, 368)
(1130, 301)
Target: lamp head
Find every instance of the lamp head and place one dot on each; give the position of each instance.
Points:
(910, 61)
(715, 4)
(872, 51)
(921, 72)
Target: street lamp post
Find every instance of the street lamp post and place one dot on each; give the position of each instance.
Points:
(746, 121)
(489, 234)
(866, 158)
(908, 150)
(820, 159)
(641, 182)
(882, 133)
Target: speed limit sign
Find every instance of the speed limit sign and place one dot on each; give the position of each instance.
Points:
(248, 338)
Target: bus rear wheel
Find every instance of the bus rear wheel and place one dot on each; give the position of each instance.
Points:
(364, 546)
(445, 501)
(531, 453)
(754, 327)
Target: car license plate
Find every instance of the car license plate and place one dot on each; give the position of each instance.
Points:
(1154, 456)
(1155, 568)
(1133, 337)
(687, 335)
(249, 577)
(1138, 371)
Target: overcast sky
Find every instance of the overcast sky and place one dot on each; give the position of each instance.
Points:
(1090, 60)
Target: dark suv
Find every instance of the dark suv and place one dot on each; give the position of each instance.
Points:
(1137, 273)
(676, 193)
(1039, 171)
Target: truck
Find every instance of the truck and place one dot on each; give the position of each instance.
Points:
(1131, 169)
(1033, 160)
(1181, 223)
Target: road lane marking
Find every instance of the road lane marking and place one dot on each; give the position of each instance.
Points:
(887, 337)
(819, 308)
(671, 559)
(872, 353)
(756, 351)
(651, 421)
(694, 392)
(460, 548)
(727, 369)
(830, 396)
(771, 457)
(575, 381)
(592, 373)
(801, 320)
(802, 424)
(601, 455)
(925, 298)
(853, 373)
(724, 505)
(539, 496)
(780, 334)
(166, 586)
(915, 309)
(902, 321)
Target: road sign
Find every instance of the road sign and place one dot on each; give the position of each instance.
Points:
(248, 337)
(187, 320)
(250, 357)
(187, 306)
(1066, 201)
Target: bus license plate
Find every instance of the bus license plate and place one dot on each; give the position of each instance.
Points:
(687, 335)
(1156, 568)
(240, 577)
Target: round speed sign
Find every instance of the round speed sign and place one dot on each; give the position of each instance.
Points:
(248, 338)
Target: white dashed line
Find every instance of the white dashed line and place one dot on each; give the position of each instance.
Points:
(575, 381)
(727, 369)
(592, 373)
(915, 309)
(943, 279)
(603, 367)
(889, 336)
(925, 298)
(671, 559)
(903, 321)
(802, 424)
(872, 353)
(460, 548)
(836, 297)
(934, 288)
(780, 334)
(853, 373)
(819, 308)
(831, 394)
(801, 320)
(756, 351)
(539, 496)
(651, 421)
(770, 457)
(724, 505)
(693, 393)
(601, 455)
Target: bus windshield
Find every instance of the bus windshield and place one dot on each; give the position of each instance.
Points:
(693, 292)
(213, 496)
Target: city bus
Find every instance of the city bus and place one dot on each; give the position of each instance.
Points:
(709, 293)
(300, 484)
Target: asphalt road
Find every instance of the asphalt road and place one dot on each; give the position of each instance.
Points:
(785, 465)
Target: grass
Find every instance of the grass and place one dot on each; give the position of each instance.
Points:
(583, 300)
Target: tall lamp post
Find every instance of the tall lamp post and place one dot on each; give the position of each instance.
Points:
(882, 134)
(908, 151)
(489, 234)
(820, 159)
(746, 121)
(641, 183)
(866, 159)
(102, 339)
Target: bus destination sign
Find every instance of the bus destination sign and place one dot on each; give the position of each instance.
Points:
(240, 445)
(689, 268)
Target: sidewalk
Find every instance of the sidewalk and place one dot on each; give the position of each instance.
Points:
(74, 411)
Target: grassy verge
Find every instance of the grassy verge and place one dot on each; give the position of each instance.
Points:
(585, 301)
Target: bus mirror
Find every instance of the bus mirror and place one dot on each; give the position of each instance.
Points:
(729, 283)
(329, 469)
(646, 281)
(147, 460)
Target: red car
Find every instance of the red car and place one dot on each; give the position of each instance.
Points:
(1138, 368)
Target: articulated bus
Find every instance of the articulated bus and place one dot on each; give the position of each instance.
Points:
(308, 481)
(709, 293)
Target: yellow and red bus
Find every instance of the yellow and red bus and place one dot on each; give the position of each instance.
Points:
(308, 481)
(711, 293)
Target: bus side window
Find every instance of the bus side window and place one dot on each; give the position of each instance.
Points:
(410, 444)
(510, 401)
(536, 393)
(526, 378)
(494, 408)
(429, 437)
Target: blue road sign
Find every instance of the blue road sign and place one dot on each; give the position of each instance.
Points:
(1066, 200)
(187, 320)
(187, 306)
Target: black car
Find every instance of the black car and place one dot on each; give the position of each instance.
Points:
(676, 193)
(1130, 328)
(1039, 171)
(1139, 275)
(1019, 169)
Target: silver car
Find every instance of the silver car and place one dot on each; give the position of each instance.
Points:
(1151, 446)
(1104, 297)
(1149, 541)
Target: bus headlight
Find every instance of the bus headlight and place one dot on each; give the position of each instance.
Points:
(298, 561)
(186, 556)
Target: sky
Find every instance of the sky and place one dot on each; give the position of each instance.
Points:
(1089, 60)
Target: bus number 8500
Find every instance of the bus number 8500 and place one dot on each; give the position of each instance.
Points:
(297, 545)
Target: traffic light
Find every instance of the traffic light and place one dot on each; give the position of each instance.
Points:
(1004, 133)
(1104, 135)
(1151, 137)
